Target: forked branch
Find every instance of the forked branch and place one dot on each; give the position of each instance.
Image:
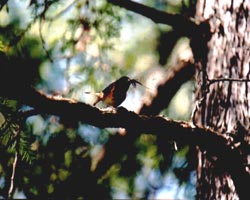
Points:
(183, 25)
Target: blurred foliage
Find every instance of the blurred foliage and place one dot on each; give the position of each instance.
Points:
(65, 47)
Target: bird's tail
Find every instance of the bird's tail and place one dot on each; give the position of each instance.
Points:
(93, 93)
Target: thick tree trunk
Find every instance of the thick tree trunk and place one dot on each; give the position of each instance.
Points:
(223, 89)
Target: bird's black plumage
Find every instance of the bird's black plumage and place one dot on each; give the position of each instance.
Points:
(115, 93)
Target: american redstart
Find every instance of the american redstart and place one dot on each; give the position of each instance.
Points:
(115, 93)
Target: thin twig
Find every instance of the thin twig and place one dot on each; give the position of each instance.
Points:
(227, 80)
(11, 189)
(194, 111)
(12, 179)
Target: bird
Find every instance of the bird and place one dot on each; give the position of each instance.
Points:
(116, 92)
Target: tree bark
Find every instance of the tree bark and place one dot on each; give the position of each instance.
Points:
(223, 91)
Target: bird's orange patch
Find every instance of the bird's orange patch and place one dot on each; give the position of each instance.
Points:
(110, 97)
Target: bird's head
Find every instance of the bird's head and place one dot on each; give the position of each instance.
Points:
(127, 80)
(133, 82)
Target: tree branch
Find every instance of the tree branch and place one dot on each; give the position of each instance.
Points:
(183, 25)
(78, 111)
(176, 77)
(208, 140)
(11, 189)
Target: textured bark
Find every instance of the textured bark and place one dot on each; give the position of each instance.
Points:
(223, 89)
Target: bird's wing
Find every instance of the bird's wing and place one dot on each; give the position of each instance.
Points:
(110, 88)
